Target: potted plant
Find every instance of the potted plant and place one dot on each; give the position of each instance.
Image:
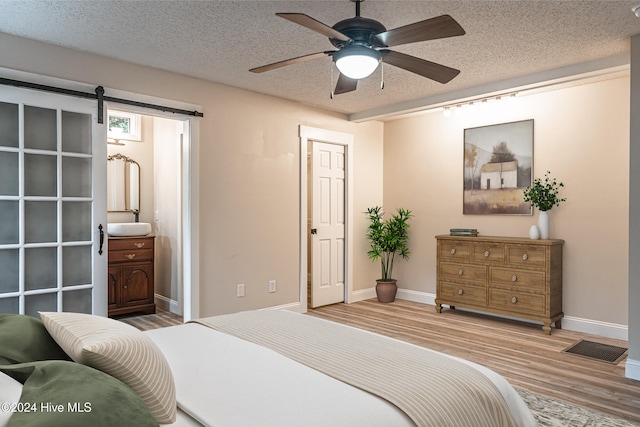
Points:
(543, 194)
(388, 239)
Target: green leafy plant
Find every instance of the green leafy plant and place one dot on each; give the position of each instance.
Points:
(388, 238)
(543, 194)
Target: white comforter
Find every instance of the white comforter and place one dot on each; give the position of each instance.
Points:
(225, 381)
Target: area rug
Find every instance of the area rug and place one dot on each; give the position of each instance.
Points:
(554, 413)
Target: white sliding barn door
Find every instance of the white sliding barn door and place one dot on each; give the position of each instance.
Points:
(52, 201)
(327, 224)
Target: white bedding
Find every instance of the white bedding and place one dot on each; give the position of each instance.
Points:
(225, 381)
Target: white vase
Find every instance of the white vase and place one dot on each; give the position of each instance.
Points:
(543, 224)
(534, 233)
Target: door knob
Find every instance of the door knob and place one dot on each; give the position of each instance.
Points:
(314, 231)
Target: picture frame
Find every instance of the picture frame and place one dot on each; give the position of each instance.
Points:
(497, 167)
(124, 125)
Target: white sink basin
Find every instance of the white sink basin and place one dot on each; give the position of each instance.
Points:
(128, 228)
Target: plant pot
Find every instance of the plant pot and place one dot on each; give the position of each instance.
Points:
(543, 224)
(386, 290)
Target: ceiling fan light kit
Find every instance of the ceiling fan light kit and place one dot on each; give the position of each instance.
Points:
(357, 62)
(362, 43)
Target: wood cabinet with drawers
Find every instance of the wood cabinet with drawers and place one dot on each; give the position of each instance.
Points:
(514, 277)
(130, 275)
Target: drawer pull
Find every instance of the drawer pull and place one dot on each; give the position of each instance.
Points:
(139, 245)
(514, 278)
(130, 256)
(453, 251)
(514, 300)
(460, 272)
(486, 253)
(525, 257)
(460, 291)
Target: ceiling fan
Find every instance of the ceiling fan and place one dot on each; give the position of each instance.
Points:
(362, 44)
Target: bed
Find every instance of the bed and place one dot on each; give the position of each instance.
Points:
(266, 368)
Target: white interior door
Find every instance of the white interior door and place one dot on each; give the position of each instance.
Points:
(327, 224)
(52, 201)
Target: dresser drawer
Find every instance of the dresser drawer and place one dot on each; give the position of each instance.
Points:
(526, 256)
(521, 278)
(487, 253)
(130, 244)
(455, 293)
(463, 272)
(517, 302)
(454, 250)
(131, 255)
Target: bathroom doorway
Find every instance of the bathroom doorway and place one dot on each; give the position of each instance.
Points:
(158, 147)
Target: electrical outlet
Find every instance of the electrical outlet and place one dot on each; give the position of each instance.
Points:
(240, 290)
(272, 285)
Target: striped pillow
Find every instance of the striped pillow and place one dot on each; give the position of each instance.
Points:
(121, 351)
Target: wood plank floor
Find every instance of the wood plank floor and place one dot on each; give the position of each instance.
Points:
(517, 350)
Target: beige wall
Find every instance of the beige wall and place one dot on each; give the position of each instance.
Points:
(249, 180)
(581, 135)
(249, 171)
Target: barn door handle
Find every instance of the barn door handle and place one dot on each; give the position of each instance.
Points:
(314, 231)
(101, 229)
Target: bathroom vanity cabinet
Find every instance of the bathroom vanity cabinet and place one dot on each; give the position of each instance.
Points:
(130, 275)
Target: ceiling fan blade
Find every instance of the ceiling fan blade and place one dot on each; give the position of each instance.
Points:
(315, 25)
(428, 69)
(287, 62)
(345, 84)
(429, 29)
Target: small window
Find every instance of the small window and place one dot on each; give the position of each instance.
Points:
(124, 125)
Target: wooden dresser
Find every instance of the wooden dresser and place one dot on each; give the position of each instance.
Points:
(515, 277)
(130, 275)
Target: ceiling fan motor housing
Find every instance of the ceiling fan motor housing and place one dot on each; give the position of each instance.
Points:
(361, 31)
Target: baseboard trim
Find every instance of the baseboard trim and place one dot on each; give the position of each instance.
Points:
(577, 324)
(294, 306)
(596, 327)
(416, 296)
(362, 295)
(632, 369)
(167, 304)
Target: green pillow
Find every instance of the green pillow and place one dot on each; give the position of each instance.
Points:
(25, 339)
(60, 393)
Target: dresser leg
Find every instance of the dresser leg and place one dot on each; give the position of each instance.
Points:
(547, 328)
(438, 308)
(558, 324)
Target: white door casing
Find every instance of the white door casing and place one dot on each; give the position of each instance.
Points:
(188, 262)
(327, 224)
(308, 134)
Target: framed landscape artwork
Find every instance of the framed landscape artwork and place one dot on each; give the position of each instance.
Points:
(498, 164)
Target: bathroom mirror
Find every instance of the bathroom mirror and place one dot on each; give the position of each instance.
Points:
(123, 186)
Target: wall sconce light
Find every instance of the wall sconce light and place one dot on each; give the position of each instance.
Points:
(113, 141)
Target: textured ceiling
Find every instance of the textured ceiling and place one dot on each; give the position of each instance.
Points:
(221, 40)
